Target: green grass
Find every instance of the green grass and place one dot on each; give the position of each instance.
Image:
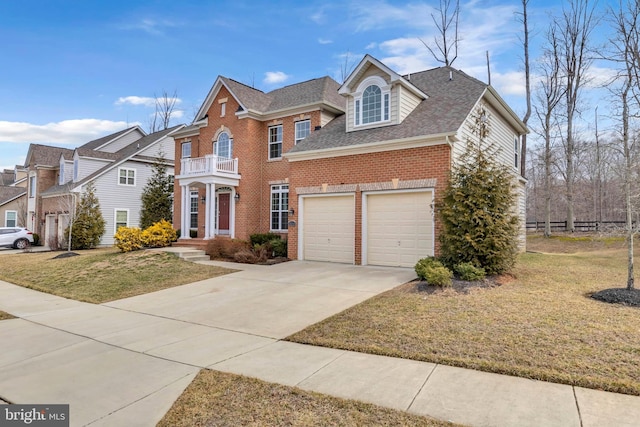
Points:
(102, 275)
(540, 323)
(220, 399)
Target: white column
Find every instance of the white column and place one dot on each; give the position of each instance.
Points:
(232, 213)
(185, 209)
(207, 212)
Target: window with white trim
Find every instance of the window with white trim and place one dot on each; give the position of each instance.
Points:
(303, 129)
(76, 170)
(224, 146)
(516, 150)
(186, 150)
(126, 176)
(193, 221)
(279, 207)
(11, 218)
(121, 218)
(223, 109)
(275, 142)
(32, 186)
(61, 176)
(371, 102)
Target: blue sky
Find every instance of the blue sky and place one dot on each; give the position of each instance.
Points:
(72, 71)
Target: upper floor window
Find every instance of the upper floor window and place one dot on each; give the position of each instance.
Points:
(223, 109)
(126, 176)
(32, 186)
(516, 150)
(224, 146)
(372, 103)
(275, 142)
(61, 177)
(186, 150)
(303, 129)
(76, 171)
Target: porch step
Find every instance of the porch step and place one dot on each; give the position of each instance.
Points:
(193, 255)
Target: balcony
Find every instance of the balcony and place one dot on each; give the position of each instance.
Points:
(209, 165)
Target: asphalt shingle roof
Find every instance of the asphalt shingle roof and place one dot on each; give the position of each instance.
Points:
(96, 143)
(450, 102)
(10, 193)
(45, 155)
(323, 89)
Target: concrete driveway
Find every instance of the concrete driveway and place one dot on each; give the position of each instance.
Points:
(125, 362)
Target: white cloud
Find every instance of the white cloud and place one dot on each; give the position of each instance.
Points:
(147, 101)
(324, 41)
(136, 100)
(319, 17)
(150, 26)
(373, 15)
(371, 45)
(509, 83)
(177, 114)
(275, 77)
(70, 132)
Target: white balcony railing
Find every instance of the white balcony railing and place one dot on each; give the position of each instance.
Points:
(208, 165)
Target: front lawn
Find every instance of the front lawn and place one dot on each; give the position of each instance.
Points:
(540, 323)
(220, 399)
(102, 275)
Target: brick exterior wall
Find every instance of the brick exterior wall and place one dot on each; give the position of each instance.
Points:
(424, 163)
(251, 147)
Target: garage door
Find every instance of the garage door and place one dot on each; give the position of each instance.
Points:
(329, 228)
(399, 228)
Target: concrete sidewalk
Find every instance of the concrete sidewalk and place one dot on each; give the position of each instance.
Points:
(125, 362)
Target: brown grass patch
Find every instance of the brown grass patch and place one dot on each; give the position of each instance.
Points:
(220, 399)
(5, 316)
(540, 325)
(102, 275)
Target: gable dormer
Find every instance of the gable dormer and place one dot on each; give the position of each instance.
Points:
(65, 172)
(377, 96)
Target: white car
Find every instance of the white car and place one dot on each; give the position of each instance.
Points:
(15, 237)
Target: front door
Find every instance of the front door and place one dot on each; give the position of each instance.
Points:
(223, 213)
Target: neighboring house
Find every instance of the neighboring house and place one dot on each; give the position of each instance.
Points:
(13, 197)
(118, 165)
(349, 173)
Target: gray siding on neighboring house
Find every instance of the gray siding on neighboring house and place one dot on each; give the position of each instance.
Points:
(166, 147)
(113, 196)
(88, 166)
(122, 142)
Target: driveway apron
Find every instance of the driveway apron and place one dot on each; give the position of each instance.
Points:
(125, 362)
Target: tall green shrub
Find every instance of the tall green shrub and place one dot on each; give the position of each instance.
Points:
(477, 214)
(89, 225)
(157, 195)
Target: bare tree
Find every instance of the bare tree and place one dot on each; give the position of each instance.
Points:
(549, 94)
(446, 41)
(164, 109)
(527, 81)
(574, 30)
(625, 52)
(346, 67)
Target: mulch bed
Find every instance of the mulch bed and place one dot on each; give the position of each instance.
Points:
(630, 297)
(457, 285)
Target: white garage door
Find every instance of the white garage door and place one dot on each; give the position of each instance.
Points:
(399, 228)
(329, 228)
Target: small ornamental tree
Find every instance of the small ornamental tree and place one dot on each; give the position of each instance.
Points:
(477, 212)
(157, 196)
(89, 225)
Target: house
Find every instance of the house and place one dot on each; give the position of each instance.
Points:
(13, 196)
(348, 173)
(118, 165)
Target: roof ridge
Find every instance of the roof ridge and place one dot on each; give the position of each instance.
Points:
(243, 84)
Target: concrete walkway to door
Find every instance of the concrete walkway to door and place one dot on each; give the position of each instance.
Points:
(125, 362)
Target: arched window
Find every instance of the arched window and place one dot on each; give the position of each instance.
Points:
(372, 104)
(224, 146)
